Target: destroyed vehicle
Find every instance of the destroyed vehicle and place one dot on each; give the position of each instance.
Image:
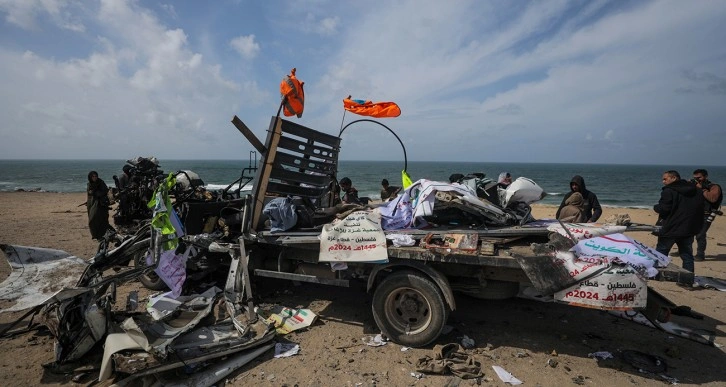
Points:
(451, 241)
(412, 254)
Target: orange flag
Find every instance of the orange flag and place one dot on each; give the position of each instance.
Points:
(293, 95)
(371, 109)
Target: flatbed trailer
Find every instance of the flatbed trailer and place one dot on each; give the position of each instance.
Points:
(413, 292)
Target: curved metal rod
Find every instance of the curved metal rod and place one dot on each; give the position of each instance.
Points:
(405, 158)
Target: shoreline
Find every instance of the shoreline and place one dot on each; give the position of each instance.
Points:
(537, 204)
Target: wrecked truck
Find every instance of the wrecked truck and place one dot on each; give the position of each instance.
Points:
(412, 254)
(458, 242)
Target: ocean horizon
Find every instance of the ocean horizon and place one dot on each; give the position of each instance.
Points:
(616, 185)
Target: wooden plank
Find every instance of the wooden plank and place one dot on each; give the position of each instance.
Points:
(309, 149)
(307, 133)
(299, 162)
(297, 177)
(295, 190)
(248, 134)
(263, 174)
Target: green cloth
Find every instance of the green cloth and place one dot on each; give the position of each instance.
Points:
(161, 221)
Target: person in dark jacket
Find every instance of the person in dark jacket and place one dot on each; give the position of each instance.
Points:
(680, 216)
(711, 207)
(97, 204)
(591, 206)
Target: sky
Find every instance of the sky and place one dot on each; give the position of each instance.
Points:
(625, 82)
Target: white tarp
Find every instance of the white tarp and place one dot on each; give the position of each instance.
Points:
(357, 238)
(419, 199)
(37, 274)
(622, 248)
(619, 287)
(522, 190)
(582, 231)
(623, 284)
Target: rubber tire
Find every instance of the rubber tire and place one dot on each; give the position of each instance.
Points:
(429, 317)
(151, 280)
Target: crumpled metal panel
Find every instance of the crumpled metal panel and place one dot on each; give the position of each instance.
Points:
(156, 336)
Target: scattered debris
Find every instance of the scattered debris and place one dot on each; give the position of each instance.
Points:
(467, 342)
(286, 349)
(601, 355)
(287, 320)
(401, 239)
(452, 358)
(505, 376)
(710, 283)
(645, 362)
(374, 341)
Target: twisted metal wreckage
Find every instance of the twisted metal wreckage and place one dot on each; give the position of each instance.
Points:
(471, 246)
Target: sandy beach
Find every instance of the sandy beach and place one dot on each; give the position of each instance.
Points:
(540, 344)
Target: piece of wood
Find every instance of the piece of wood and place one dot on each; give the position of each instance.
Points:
(256, 143)
(263, 175)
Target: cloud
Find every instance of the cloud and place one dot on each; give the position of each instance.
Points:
(23, 13)
(325, 26)
(704, 82)
(170, 10)
(143, 91)
(245, 46)
(511, 109)
(566, 76)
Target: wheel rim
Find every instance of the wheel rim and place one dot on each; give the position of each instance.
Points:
(408, 310)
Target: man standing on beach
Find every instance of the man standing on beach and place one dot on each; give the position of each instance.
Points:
(680, 210)
(591, 206)
(713, 197)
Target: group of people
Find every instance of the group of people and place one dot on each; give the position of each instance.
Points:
(685, 211)
(350, 194)
(98, 201)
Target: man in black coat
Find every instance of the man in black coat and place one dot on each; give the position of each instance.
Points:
(591, 206)
(680, 215)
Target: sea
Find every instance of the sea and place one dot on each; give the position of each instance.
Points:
(620, 185)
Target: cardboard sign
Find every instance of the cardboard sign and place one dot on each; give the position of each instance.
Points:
(357, 238)
(619, 287)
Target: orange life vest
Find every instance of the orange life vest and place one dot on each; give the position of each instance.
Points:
(371, 109)
(293, 95)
